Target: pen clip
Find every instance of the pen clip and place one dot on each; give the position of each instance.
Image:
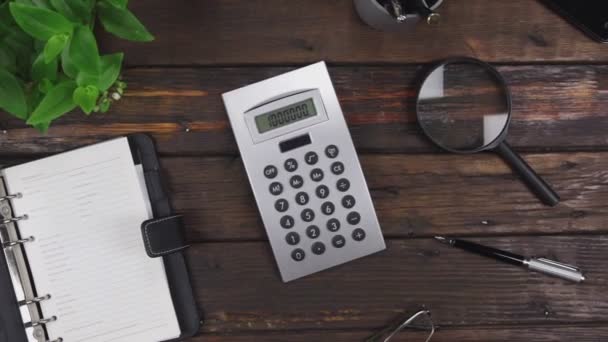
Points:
(559, 264)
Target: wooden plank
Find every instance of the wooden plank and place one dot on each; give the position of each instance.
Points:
(278, 31)
(543, 333)
(414, 195)
(238, 286)
(556, 107)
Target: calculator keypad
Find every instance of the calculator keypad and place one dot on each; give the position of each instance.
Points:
(287, 222)
(317, 175)
(311, 158)
(281, 205)
(314, 210)
(307, 215)
(291, 165)
(296, 181)
(322, 191)
(276, 188)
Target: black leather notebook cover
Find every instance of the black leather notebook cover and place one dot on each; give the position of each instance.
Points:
(144, 153)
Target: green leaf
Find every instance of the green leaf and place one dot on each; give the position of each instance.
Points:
(83, 50)
(64, 8)
(36, 3)
(56, 103)
(41, 69)
(19, 42)
(6, 19)
(85, 79)
(86, 98)
(122, 23)
(55, 46)
(12, 97)
(110, 69)
(22, 46)
(43, 127)
(104, 106)
(66, 62)
(33, 97)
(118, 3)
(45, 85)
(40, 23)
(8, 60)
(82, 9)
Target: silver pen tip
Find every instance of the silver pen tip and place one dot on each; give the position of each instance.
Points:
(440, 238)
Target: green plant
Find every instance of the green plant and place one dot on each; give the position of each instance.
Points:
(49, 59)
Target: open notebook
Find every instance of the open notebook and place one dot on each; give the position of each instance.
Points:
(84, 209)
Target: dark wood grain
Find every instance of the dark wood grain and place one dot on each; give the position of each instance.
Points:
(542, 333)
(224, 32)
(414, 195)
(556, 108)
(239, 288)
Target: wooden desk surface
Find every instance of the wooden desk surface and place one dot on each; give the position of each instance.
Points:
(559, 80)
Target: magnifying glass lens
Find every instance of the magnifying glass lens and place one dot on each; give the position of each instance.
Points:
(463, 106)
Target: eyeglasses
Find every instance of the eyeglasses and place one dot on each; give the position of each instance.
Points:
(421, 320)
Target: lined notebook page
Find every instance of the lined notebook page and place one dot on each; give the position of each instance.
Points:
(85, 209)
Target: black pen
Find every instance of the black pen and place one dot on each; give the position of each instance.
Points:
(542, 265)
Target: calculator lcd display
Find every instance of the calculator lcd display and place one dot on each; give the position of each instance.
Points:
(286, 115)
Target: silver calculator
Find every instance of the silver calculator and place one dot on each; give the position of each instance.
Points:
(304, 171)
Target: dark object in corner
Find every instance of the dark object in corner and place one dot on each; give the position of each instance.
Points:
(591, 16)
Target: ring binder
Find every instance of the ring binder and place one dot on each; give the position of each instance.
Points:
(17, 242)
(24, 299)
(14, 219)
(40, 322)
(34, 300)
(10, 197)
(18, 270)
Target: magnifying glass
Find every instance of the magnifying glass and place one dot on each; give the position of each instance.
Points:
(464, 106)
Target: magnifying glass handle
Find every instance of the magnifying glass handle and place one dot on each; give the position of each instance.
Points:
(542, 190)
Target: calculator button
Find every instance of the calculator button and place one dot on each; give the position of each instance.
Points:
(291, 165)
(311, 158)
(343, 184)
(316, 175)
(276, 188)
(302, 198)
(270, 171)
(281, 205)
(318, 248)
(338, 241)
(287, 222)
(296, 182)
(348, 201)
(333, 225)
(313, 232)
(292, 238)
(358, 234)
(307, 215)
(322, 191)
(332, 151)
(337, 168)
(328, 208)
(298, 254)
(353, 218)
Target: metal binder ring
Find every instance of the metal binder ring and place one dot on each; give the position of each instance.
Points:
(14, 219)
(41, 322)
(17, 242)
(10, 197)
(34, 300)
